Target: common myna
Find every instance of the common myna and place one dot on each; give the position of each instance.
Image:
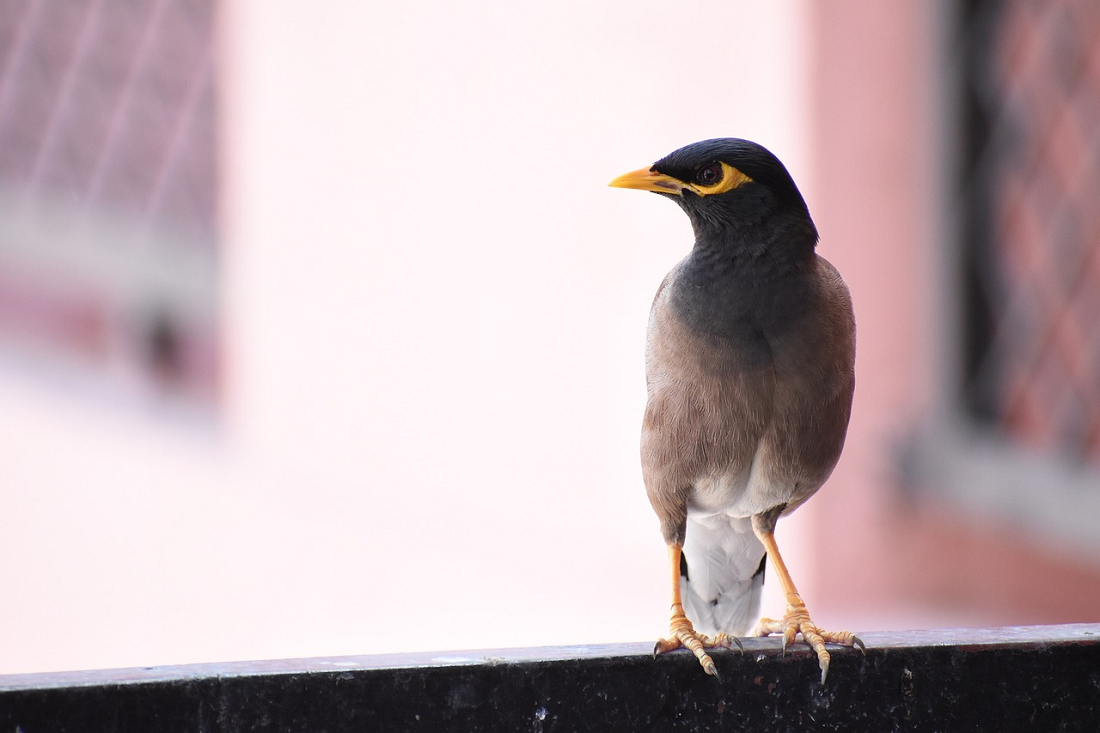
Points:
(750, 358)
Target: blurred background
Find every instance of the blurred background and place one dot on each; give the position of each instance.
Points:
(321, 333)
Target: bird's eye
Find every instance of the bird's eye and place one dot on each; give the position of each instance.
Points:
(709, 175)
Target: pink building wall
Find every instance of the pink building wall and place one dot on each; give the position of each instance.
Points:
(884, 557)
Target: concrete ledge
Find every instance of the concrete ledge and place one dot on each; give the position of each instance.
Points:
(1042, 678)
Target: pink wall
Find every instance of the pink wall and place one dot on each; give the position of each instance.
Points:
(881, 561)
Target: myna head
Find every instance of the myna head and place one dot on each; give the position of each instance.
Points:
(731, 189)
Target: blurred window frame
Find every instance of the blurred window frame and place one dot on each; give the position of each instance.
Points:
(961, 454)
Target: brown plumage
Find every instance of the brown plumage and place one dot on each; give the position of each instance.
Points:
(749, 368)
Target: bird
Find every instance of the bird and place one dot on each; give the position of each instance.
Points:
(750, 374)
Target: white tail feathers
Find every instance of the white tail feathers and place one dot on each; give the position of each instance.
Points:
(724, 582)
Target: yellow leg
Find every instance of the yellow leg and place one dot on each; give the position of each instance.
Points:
(797, 618)
(682, 633)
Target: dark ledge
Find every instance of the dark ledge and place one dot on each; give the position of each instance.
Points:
(1040, 678)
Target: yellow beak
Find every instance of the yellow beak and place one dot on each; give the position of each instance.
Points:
(648, 179)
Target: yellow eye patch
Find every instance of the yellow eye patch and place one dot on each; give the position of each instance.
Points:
(731, 179)
(648, 179)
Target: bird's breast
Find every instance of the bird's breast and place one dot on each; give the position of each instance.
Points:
(710, 404)
(743, 420)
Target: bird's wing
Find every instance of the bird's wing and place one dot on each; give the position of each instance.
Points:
(725, 574)
(814, 366)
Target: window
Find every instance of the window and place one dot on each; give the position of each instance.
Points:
(1018, 430)
(108, 263)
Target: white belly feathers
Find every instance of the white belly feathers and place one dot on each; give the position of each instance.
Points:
(737, 492)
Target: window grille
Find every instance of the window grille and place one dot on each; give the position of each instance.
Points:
(1016, 431)
(1031, 331)
(108, 191)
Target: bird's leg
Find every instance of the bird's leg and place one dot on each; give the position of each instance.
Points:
(682, 633)
(797, 618)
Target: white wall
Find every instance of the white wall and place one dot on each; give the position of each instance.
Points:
(433, 317)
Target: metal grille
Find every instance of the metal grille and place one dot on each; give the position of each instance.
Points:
(1032, 230)
(111, 103)
(107, 184)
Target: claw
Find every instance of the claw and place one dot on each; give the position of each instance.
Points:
(722, 641)
(683, 635)
(797, 621)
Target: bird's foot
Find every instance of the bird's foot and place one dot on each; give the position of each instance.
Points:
(683, 634)
(797, 621)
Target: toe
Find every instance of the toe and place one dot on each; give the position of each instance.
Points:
(708, 666)
(789, 634)
(666, 645)
(823, 662)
